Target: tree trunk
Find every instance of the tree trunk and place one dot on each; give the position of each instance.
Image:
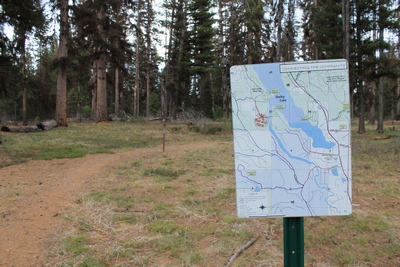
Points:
(116, 89)
(380, 104)
(148, 56)
(346, 42)
(398, 79)
(316, 56)
(24, 90)
(101, 103)
(224, 63)
(381, 83)
(61, 101)
(94, 90)
(372, 107)
(137, 64)
(165, 99)
(373, 70)
(360, 88)
(279, 21)
(116, 66)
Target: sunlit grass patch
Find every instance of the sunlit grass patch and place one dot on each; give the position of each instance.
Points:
(114, 196)
(76, 245)
(164, 174)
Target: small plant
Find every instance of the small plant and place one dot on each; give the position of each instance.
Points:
(115, 197)
(76, 244)
(164, 174)
(175, 129)
(163, 227)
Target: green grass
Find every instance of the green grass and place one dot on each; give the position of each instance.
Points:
(164, 174)
(114, 196)
(76, 140)
(178, 208)
(76, 245)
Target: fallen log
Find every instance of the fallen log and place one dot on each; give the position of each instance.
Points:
(21, 129)
(48, 125)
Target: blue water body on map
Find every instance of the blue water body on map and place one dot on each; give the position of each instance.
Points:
(344, 180)
(257, 189)
(270, 77)
(284, 148)
(315, 133)
(335, 172)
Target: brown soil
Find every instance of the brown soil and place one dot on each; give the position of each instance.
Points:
(36, 196)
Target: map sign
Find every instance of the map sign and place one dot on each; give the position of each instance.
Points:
(291, 124)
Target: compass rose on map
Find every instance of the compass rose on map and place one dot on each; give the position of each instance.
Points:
(260, 120)
(262, 207)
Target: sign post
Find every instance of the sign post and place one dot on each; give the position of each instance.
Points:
(293, 241)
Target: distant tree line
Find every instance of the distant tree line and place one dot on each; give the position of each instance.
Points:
(94, 58)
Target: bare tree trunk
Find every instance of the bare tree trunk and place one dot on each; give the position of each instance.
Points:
(101, 103)
(373, 70)
(398, 80)
(381, 85)
(224, 64)
(290, 34)
(24, 90)
(94, 90)
(61, 101)
(279, 21)
(168, 78)
(316, 57)
(372, 107)
(148, 55)
(116, 89)
(360, 88)
(137, 64)
(346, 43)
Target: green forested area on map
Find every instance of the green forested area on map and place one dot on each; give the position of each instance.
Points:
(171, 58)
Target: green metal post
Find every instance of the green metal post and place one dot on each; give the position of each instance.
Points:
(293, 242)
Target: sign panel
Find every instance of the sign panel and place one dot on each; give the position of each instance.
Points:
(291, 124)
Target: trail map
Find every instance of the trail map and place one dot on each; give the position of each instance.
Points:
(291, 124)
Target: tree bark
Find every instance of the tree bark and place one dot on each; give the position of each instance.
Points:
(398, 79)
(61, 100)
(381, 85)
(148, 55)
(279, 21)
(24, 90)
(372, 107)
(168, 79)
(360, 88)
(137, 64)
(346, 43)
(101, 103)
(381, 82)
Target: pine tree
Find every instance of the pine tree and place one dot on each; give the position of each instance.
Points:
(254, 14)
(203, 53)
(61, 100)
(25, 17)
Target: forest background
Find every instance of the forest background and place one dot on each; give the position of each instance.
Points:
(99, 59)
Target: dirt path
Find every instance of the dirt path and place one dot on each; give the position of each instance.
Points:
(35, 197)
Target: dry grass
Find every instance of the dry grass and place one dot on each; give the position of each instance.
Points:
(178, 209)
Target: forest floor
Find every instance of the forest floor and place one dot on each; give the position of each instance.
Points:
(43, 202)
(36, 196)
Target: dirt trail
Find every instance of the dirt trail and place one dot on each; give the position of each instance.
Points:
(36, 196)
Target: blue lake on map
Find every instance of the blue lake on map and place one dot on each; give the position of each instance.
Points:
(292, 113)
